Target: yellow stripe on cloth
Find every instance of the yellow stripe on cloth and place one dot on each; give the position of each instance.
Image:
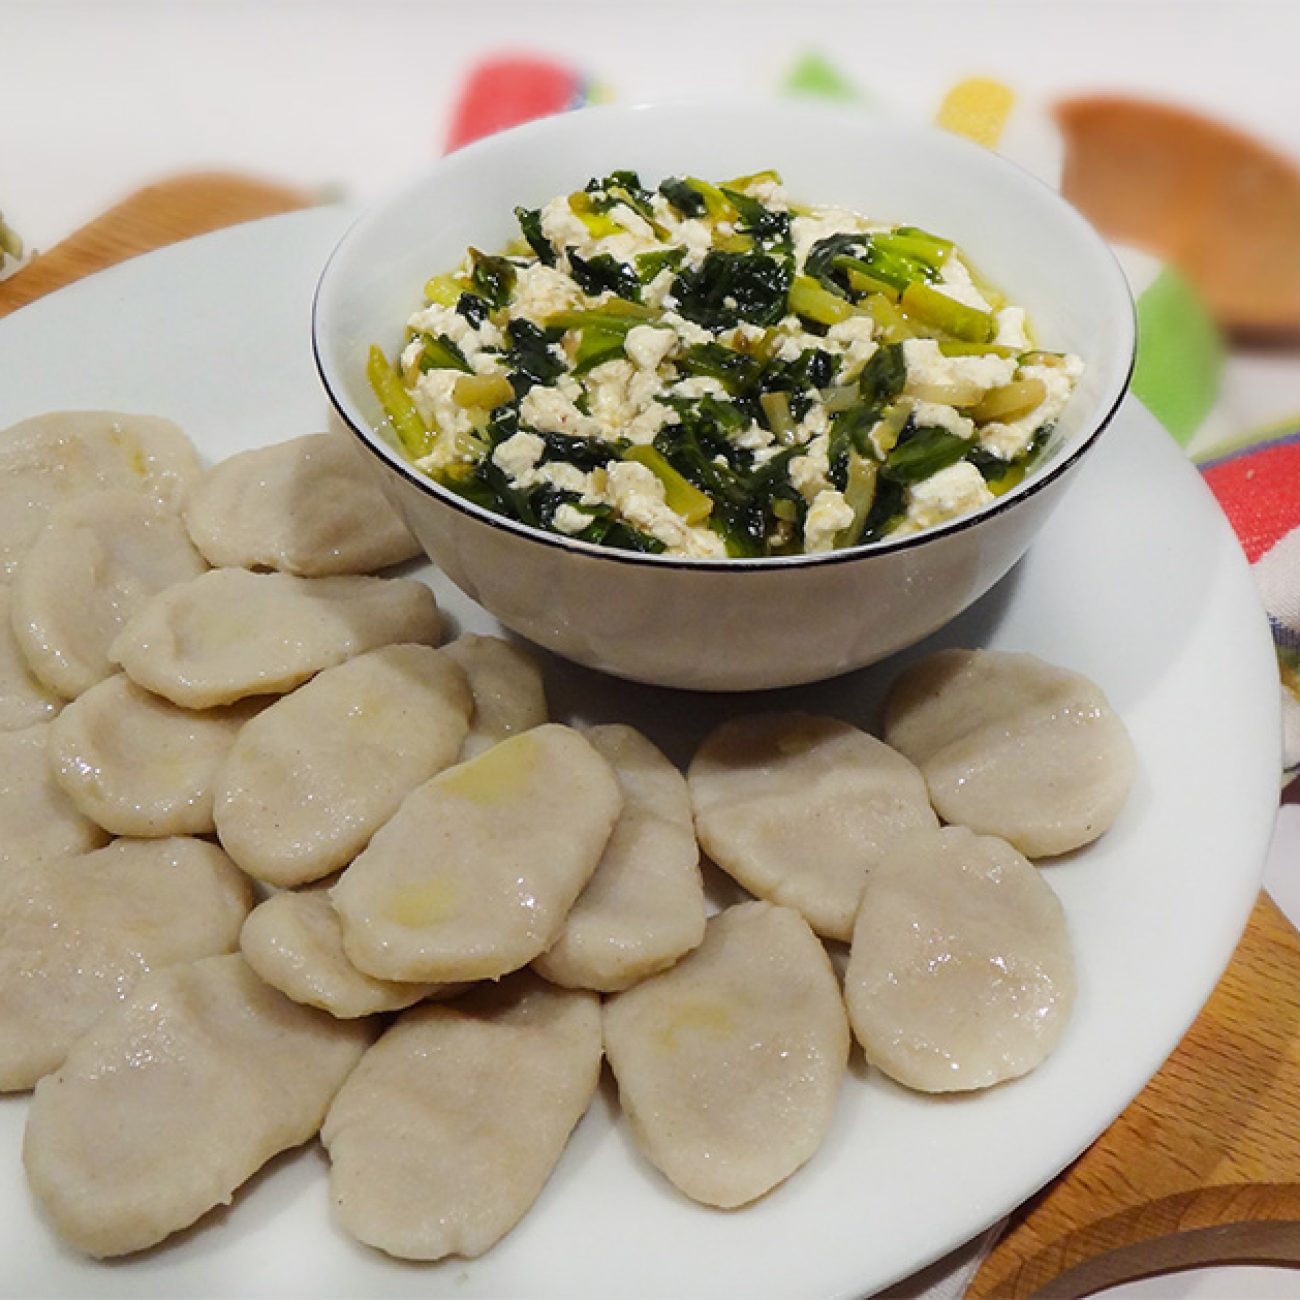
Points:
(978, 108)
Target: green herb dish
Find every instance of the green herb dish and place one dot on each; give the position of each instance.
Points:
(713, 369)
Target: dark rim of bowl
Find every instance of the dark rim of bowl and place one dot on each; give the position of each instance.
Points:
(1034, 483)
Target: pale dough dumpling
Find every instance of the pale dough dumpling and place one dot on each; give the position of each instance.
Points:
(475, 873)
(310, 780)
(96, 563)
(644, 907)
(729, 1065)
(961, 973)
(294, 942)
(24, 699)
(76, 934)
(1014, 747)
(229, 633)
(506, 682)
(137, 764)
(309, 506)
(38, 822)
(445, 1134)
(66, 454)
(175, 1099)
(798, 808)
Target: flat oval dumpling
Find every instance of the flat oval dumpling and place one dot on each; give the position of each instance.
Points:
(176, 1098)
(137, 764)
(729, 1065)
(76, 934)
(310, 780)
(1014, 747)
(798, 808)
(294, 942)
(229, 633)
(445, 1134)
(961, 973)
(24, 699)
(644, 907)
(66, 454)
(96, 563)
(38, 822)
(506, 682)
(475, 873)
(309, 506)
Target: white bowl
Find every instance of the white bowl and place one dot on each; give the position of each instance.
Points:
(738, 624)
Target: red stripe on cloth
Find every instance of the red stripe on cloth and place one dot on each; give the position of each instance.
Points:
(1259, 490)
(503, 92)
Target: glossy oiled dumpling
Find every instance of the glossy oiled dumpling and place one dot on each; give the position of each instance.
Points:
(24, 699)
(136, 764)
(175, 1099)
(309, 506)
(960, 974)
(644, 907)
(67, 454)
(475, 873)
(230, 633)
(728, 1065)
(310, 779)
(38, 822)
(76, 934)
(294, 942)
(1012, 746)
(97, 562)
(509, 695)
(447, 1131)
(798, 808)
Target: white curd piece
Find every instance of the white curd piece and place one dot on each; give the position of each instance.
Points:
(175, 1099)
(294, 942)
(445, 1134)
(729, 1064)
(644, 907)
(229, 633)
(506, 682)
(76, 935)
(312, 777)
(798, 809)
(1014, 747)
(98, 561)
(309, 506)
(960, 975)
(38, 822)
(136, 764)
(475, 873)
(24, 698)
(53, 458)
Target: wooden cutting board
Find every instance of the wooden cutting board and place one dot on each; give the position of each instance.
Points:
(1203, 1167)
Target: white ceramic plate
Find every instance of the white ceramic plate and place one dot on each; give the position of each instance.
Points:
(1136, 582)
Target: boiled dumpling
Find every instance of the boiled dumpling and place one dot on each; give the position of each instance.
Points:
(310, 780)
(309, 506)
(98, 561)
(76, 934)
(797, 808)
(729, 1065)
(24, 699)
(475, 873)
(136, 764)
(175, 1099)
(447, 1131)
(509, 696)
(644, 907)
(960, 974)
(66, 454)
(1014, 747)
(230, 633)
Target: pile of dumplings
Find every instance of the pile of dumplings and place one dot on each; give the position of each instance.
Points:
(277, 863)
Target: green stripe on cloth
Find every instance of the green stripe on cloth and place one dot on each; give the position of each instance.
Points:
(1180, 355)
(814, 75)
